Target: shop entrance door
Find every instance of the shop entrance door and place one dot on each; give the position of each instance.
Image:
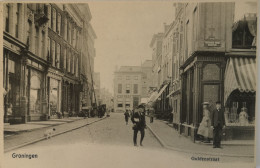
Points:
(35, 98)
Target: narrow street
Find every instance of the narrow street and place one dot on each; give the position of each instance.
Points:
(108, 142)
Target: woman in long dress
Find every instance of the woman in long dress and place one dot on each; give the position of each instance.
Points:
(204, 128)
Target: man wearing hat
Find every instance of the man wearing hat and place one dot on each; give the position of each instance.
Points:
(217, 122)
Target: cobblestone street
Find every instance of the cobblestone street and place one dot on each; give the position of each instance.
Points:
(110, 141)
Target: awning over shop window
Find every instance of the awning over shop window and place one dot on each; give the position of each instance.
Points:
(161, 91)
(152, 97)
(240, 74)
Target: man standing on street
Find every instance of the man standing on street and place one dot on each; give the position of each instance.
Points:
(138, 119)
(217, 122)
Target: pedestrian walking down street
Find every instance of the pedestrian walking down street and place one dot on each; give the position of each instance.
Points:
(138, 119)
(151, 114)
(218, 123)
(127, 115)
(205, 129)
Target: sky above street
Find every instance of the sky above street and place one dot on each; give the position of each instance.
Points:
(125, 28)
(124, 31)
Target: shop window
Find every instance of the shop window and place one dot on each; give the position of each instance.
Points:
(54, 96)
(211, 72)
(35, 94)
(12, 86)
(239, 103)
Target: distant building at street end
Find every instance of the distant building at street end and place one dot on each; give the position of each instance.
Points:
(131, 83)
(106, 98)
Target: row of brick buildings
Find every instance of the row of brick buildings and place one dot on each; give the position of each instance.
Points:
(48, 60)
(204, 55)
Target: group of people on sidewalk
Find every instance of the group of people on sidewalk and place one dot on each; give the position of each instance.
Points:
(212, 124)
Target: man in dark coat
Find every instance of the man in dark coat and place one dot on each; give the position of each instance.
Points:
(217, 122)
(138, 119)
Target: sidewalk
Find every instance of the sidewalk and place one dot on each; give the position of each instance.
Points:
(32, 132)
(30, 126)
(171, 139)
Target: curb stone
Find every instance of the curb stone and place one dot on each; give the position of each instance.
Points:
(48, 126)
(223, 143)
(43, 138)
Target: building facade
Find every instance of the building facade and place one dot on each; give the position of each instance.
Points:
(41, 61)
(131, 84)
(146, 69)
(97, 88)
(156, 46)
(211, 56)
(106, 98)
(87, 59)
(127, 88)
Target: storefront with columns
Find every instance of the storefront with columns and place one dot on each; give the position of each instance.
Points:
(54, 79)
(24, 62)
(202, 81)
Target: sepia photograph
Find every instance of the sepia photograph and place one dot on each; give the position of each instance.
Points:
(122, 84)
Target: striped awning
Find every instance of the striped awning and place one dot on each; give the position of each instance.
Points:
(240, 74)
(152, 97)
(161, 91)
